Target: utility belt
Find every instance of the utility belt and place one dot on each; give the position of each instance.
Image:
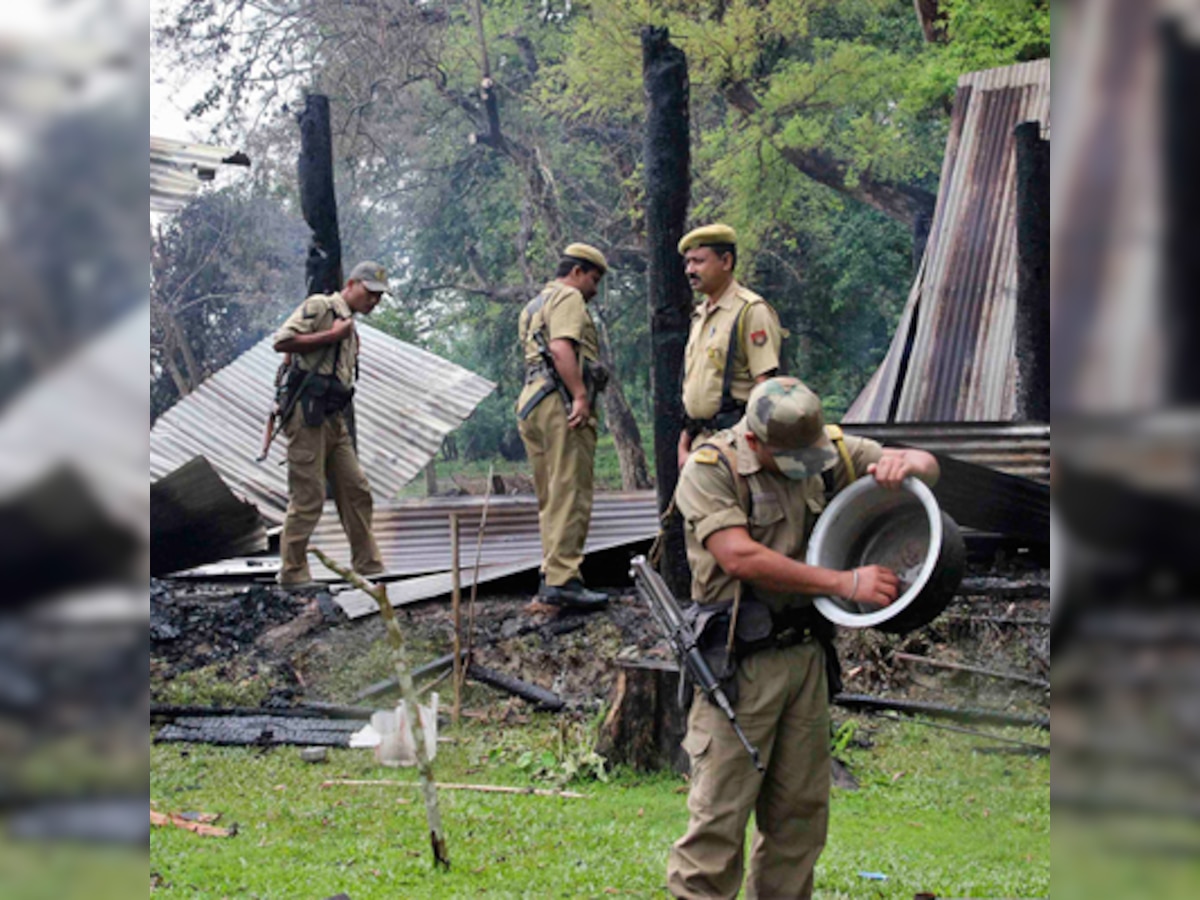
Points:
(727, 416)
(321, 396)
(758, 628)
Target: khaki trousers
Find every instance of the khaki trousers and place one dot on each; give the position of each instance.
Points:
(784, 710)
(562, 460)
(313, 454)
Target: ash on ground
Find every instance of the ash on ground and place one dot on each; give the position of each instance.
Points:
(250, 644)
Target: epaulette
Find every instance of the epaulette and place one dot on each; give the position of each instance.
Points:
(313, 307)
(709, 456)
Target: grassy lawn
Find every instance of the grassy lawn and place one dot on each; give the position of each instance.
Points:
(932, 814)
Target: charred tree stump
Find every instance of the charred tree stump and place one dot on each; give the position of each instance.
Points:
(318, 200)
(1033, 273)
(645, 725)
(668, 165)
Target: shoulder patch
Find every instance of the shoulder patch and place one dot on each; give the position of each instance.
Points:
(758, 338)
(709, 456)
(313, 307)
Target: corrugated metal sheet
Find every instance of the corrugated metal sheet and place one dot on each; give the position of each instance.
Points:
(406, 402)
(414, 539)
(178, 169)
(1021, 449)
(962, 367)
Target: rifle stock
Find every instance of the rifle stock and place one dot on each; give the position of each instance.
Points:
(666, 612)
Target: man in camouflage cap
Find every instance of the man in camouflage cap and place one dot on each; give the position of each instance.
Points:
(749, 497)
(733, 342)
(556, 419)
(323, 348)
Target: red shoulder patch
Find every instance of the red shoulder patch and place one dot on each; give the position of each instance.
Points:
(758, 338)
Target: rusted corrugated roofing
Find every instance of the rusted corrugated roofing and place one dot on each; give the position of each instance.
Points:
(407, 401)
(1021, 449)
(962, 367)
(178, 169)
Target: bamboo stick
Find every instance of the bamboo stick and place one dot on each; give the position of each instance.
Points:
(446, 786)
(437, 837)
(974, 670)
(456, 602)
(487, 496)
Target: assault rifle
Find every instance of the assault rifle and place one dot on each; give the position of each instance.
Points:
(539, 338)
(666, 612)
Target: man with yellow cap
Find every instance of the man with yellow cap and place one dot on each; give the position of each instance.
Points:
(749, 497)
(734, 338)
(323, 348)
(556, 419)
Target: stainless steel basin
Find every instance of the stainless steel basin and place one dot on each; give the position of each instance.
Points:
(904, 530)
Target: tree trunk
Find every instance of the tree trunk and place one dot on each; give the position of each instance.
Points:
(933, 23)
(668, 166)
(621, 423)
(645, 723)
(1033, 274)
(902, 202)
(318, 199)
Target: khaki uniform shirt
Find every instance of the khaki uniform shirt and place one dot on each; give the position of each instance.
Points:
(564, 316)
(708, 345)
(782, 511)
(317, 314)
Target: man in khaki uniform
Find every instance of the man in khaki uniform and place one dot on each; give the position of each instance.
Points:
(749, 497)
(557, 422)
(323, 345)
(734, 339)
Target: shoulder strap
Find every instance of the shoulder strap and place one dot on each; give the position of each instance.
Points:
(532, 308)
(728, 457)
(835, 434)
(735, 340)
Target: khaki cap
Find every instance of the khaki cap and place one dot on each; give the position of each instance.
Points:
(588, 252)
(786, 416)
(371, 274)
(706, 236)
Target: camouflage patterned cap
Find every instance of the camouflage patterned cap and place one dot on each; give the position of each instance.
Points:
(371, 274)
(786, 416)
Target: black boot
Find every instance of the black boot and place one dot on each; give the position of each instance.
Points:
(573, 595)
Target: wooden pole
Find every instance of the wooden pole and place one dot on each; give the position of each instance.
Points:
(487, 496)
(456, 600)
(395, 636)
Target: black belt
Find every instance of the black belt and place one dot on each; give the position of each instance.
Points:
(726, 417)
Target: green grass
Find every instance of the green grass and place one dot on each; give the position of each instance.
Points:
(931, 814)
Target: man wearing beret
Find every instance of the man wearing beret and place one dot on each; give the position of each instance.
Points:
(323, 345)
(749, 497)
(557, 422)
(734, 338)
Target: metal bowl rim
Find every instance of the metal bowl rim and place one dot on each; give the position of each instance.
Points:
(827, 606)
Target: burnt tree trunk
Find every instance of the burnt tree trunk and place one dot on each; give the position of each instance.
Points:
(318, 201)
(318, 204)
(620, 421)
(668, 181)
(1181, 320)
(645, 724)
(1033, 274)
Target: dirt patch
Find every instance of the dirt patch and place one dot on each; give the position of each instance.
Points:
(284, 648)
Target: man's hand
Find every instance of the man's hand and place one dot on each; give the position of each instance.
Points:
(685, 448)
(876, 585)
(896, 464)
(581, 411)
(341, 327)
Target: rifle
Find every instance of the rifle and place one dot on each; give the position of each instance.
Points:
(666, 612)
(539, 338)
(280, 412)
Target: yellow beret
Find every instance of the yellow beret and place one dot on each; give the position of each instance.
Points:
(588, 252)
(706, 236)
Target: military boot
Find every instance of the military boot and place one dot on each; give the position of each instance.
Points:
(573, 595)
